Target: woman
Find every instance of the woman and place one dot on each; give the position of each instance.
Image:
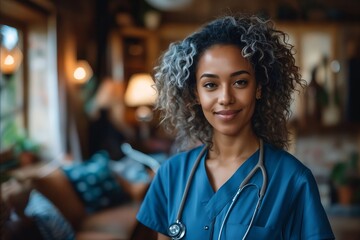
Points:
(229, 86)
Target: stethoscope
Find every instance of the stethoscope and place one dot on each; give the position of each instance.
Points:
(177, 229)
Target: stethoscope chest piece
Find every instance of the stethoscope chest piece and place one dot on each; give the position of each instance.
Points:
(176, 230)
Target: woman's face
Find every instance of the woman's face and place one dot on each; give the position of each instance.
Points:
(226, 89)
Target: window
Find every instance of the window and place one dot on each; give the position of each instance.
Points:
(30, 96)
(11, 87)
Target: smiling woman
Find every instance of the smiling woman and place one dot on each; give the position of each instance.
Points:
(229, 86)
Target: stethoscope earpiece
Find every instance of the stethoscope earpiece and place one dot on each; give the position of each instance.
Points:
(176, 230)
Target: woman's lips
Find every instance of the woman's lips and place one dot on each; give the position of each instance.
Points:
(227, 114)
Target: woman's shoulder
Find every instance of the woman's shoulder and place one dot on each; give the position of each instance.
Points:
(277, 157)
(280, 164)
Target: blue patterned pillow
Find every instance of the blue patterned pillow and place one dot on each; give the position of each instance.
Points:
(95, 184)
(50, 221)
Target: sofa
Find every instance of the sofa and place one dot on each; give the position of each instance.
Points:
(52, 207)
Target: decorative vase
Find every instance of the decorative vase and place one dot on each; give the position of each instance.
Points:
(345, 194)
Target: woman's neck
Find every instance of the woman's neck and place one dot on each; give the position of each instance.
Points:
(227, 155)
(230, 149)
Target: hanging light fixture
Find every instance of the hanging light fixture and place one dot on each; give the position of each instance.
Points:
(168, 5)
(82, 72)
(10, 60)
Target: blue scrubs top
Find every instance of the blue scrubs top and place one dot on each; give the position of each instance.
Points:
(291, 208)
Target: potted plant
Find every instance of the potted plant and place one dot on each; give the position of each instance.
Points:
(345, 177)
(23, 149)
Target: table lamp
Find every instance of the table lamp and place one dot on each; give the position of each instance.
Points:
(140, 93)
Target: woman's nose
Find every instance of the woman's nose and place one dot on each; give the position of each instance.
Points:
(225, 96)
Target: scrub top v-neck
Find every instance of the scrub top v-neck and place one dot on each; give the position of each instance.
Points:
(204, 210)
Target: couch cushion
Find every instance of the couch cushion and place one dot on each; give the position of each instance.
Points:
(95, 184)
(118, 222)
(57, 188)
(49, 220)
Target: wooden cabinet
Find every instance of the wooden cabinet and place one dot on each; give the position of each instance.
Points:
(323, 57)
(133, 50)
(316, 51)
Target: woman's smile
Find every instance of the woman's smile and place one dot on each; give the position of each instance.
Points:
(227, 114)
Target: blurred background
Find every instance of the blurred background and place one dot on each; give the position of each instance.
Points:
(75, 80)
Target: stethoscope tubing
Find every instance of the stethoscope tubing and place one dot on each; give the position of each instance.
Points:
(245, 183)
(232, 205)
(188, 183)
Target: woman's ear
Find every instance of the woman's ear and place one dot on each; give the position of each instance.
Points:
(197, 99)
(258, 92)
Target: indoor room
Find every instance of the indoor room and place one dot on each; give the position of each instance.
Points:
(81, 140)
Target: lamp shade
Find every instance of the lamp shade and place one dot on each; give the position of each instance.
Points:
(140, 91)
(10, 60)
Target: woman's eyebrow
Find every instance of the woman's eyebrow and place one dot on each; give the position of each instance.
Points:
(209, 75)
(239, 73)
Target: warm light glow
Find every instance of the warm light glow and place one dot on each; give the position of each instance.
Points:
(82, 72)
(140, 91)
(10, 60)
(79, 73)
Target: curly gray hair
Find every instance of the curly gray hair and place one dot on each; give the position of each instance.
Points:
(269, 54)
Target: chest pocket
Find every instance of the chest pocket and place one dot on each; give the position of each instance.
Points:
(237, 231)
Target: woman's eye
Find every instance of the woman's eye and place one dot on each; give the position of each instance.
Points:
(240, 83)
(210, 85)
